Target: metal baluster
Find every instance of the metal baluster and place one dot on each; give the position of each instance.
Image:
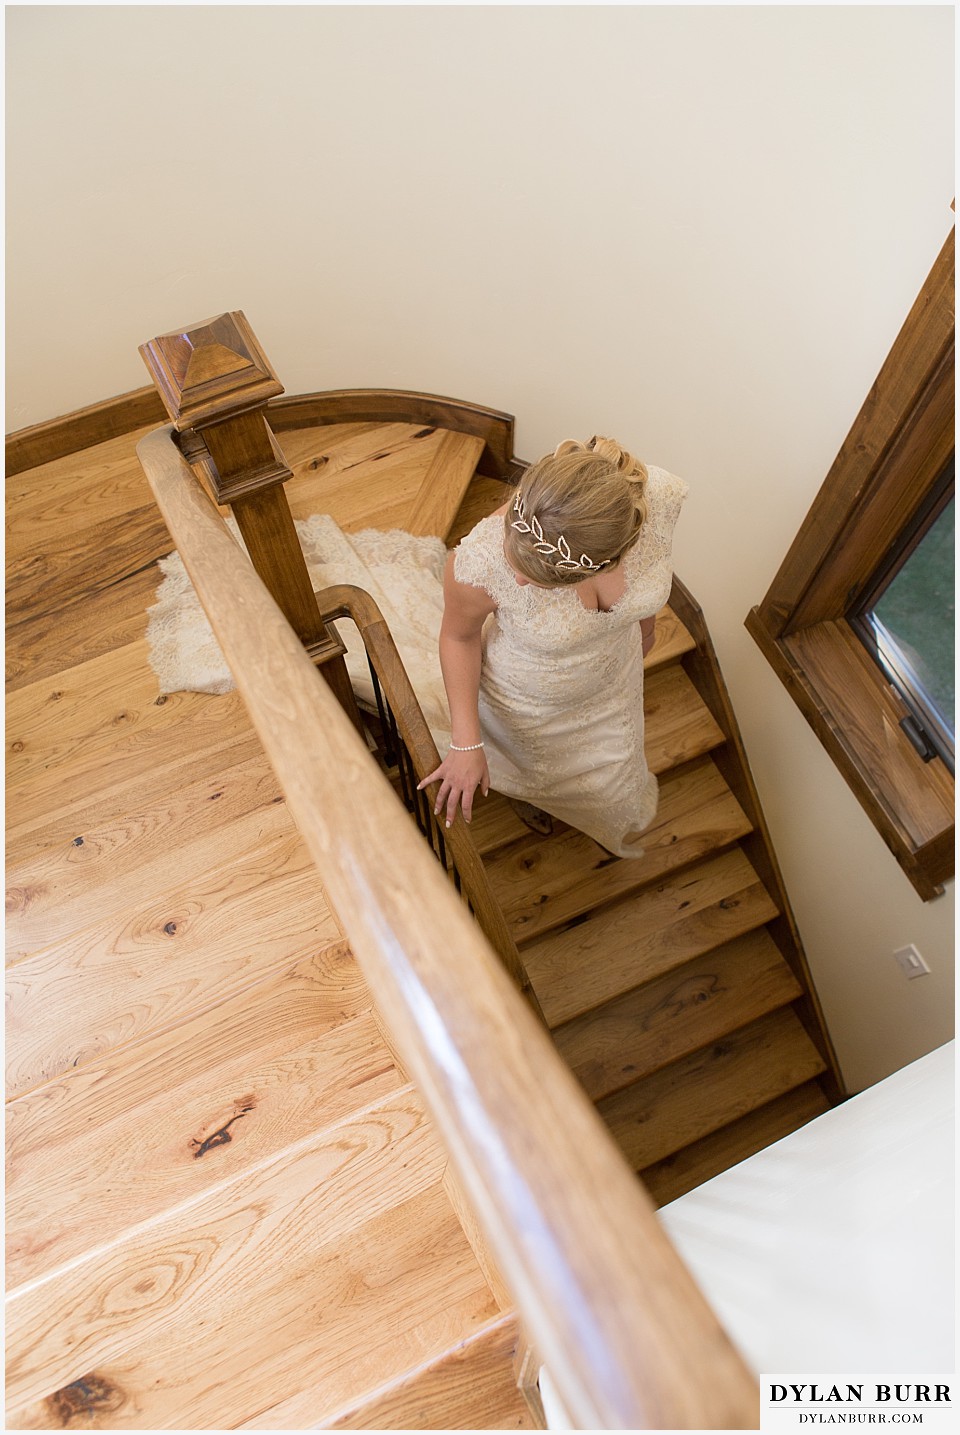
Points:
(389, 753)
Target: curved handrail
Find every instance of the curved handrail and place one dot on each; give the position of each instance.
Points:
(344, 600)
(627, 1335)
(348, 406)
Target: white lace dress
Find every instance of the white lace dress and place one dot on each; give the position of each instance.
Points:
(561, 695)
(561, 687)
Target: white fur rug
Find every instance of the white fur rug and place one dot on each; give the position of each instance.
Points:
(403, 574)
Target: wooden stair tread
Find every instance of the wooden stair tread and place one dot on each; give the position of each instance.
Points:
(79, 629)
(102, 723)
(100, 867)
(691, 1166)
(483, 497)
(678, 725)
(667, 1018)
(671, 640)
(348, 1231)
(86, 561)
(166, 959)
(363, 475)
(545, 882)
(710, 1088)
(78, 472)
(469, 1387)
(444, 484)
(278, 1062)
(48, 507)
(603, 955)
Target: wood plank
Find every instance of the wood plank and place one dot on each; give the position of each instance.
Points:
(908, 800)
(402, 406)
(94, 425)
(76, 496)
(363, 478)
(671, 641)
(174, 954)
(444, 484)
(325, 1239)
(678, 725)
(104, 717)
(545, 882)
(471, 1387)
(278, 1064)
(702, 1092)
(691, 1166)
(599, 957)
(94, 559)
(80, 628)
(702, 1001)
(83, 876)
(483, 497)
(494, 824)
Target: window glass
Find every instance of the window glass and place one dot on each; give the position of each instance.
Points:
(909, 622)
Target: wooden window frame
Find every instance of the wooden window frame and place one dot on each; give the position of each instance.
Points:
(885, 471)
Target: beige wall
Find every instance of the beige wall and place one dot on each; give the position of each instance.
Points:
(696, 228)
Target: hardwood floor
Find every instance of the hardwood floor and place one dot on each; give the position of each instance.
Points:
(225, 1206)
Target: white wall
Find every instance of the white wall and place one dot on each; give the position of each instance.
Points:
(698, 229)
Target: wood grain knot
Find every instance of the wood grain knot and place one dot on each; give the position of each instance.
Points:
(690, 993)
(78, 842)
(320, 462)
(424, 433)
(221, 1135)
(91, 1395)
(170, 928)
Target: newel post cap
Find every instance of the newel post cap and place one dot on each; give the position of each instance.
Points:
(210, 371)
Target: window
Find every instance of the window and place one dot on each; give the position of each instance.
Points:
(907, 624)
(852, 623)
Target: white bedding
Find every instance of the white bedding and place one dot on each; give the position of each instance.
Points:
(833, 1249)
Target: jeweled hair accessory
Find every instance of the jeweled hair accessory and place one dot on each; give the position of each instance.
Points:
(544, 546)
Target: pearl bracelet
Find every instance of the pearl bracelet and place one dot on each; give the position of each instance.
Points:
(472, 748)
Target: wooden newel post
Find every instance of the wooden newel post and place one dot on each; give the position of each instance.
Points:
(215, 380)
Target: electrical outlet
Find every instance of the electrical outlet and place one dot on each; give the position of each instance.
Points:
(910, 962)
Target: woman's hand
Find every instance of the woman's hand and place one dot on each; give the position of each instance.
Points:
(460, 774)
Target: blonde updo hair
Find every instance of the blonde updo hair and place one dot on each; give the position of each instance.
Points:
(593, 494)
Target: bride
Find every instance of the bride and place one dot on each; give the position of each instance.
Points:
(548, 611)
(543, 613)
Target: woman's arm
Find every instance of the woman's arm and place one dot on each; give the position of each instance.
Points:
(460, 773)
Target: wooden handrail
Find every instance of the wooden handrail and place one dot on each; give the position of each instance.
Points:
(344, 600)
(627, 1335)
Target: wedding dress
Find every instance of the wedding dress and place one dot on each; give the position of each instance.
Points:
(561, 690)
(561, 686)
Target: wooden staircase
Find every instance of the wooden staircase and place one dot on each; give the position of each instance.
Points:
(674, 984)
(225, 1204)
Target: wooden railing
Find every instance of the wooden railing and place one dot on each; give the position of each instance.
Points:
(603, 1296)
(408, 754)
